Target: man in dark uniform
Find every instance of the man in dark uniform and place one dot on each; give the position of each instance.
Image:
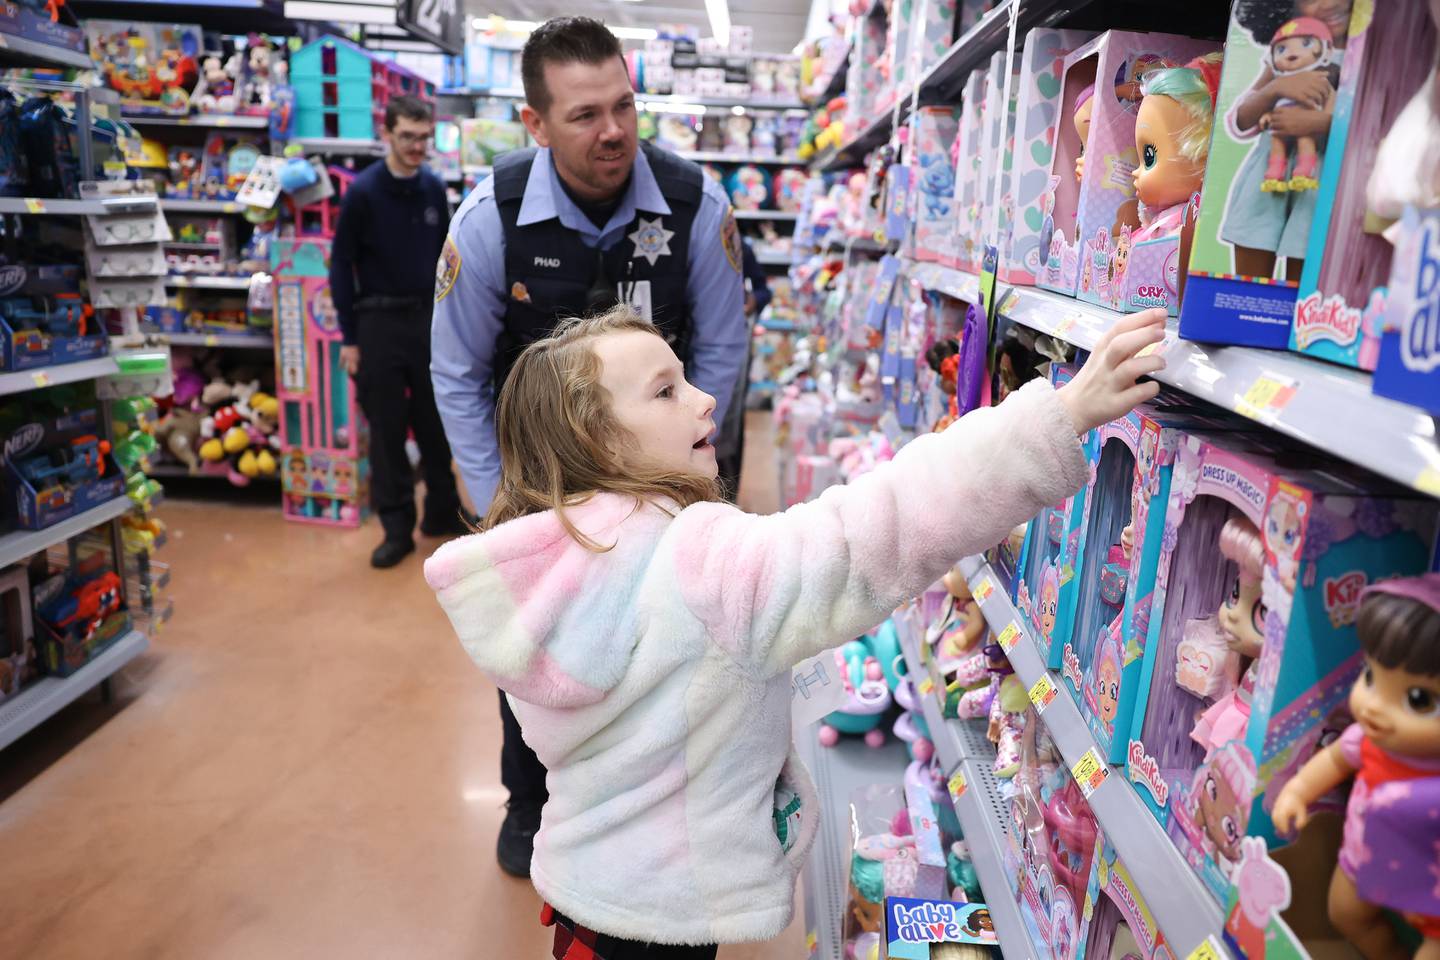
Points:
(589, 218)
(391, 229)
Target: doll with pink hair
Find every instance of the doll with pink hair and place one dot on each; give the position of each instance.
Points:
(1219, 805)
(1241, 619)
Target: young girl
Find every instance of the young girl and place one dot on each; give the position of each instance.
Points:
(645, 631)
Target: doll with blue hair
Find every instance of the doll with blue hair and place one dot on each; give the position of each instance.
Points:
(1172, 140)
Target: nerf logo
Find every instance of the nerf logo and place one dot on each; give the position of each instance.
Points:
(1419, 332)
(24, 440)
(549, 262)
(11, 277)
(1145, 771)
(1332, 319)
(1071, 668)
(1342, 597)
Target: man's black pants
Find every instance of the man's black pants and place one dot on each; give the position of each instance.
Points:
(521, 771)
(395, 393)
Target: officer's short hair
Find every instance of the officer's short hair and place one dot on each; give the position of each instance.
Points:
(411, 108)
(563, 40)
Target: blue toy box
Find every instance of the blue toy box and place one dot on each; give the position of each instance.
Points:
(79, 475)
(36, 305)
(1409, 367)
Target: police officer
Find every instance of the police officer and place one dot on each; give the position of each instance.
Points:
(588, 218)
(391, 228)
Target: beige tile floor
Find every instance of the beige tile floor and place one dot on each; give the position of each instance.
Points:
(304, 765)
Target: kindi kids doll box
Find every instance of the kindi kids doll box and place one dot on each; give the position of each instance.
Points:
(967, 249)
(1248, 660)
(1097, 148)
(1037, 115)
(324, 465)
(1122, 925)
(1259, 199)
(1340, 304)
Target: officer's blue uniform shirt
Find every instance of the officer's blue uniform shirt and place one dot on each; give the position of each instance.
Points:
(470, 299)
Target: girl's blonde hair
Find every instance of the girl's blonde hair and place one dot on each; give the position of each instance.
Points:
(560, 442)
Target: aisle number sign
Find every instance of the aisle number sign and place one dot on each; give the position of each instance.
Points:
(957, 785)
(1266, 397)
(1009, 637)
(1090, 771)
(1042, 694)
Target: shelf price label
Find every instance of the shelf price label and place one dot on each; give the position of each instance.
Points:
(1090, 771)
(1042, 694)
(211, 340)
(1063, 328)
(983, 589)
(34, 206)
(40, 378)
(926, 687)
(1009, 637)
(1429, 481)
(1209, 950)
(1266, 397)
(812, 942)
(957, 785)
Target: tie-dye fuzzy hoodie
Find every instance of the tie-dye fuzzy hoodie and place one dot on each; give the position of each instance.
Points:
(653, 680)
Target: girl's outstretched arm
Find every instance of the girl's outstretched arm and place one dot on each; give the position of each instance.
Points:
(773, 590)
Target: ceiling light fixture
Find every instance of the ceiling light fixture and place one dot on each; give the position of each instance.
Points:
(719, 13)
(634, 33)
(498, 24)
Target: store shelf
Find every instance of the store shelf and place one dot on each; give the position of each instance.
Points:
(852, 152)
(863, 244)
(49, 695)
(751, 102)
(255, 341)
(21, 52)
(943, 81)
(955, 283)
(1182, 905)
(230, 120)
(51, 376)
(238, 284)
(720, 156)
(61, 208)
(202, 206)
(769, 259)
(776, 215)
(1331, 409)
(838, 772)
(337, 146)
(18, 545)
(239, 17)
(506, 93)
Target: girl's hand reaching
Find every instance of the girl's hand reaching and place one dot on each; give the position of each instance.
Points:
(1105, 387)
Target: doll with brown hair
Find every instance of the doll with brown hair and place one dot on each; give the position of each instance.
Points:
(1388, 859)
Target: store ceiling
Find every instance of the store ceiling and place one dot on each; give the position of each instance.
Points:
(778, 24)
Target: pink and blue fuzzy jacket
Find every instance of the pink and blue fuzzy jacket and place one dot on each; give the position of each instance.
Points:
(653, 680)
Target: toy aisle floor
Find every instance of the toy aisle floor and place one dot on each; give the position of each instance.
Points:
(305, 764)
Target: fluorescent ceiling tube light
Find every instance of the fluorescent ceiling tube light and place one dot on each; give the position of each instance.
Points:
(634, 33)
(719, 12)
(498, 24)
(339, 12)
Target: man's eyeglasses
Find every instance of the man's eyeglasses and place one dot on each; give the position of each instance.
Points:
(412, 139)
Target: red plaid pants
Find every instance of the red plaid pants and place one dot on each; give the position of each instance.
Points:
(574, 942)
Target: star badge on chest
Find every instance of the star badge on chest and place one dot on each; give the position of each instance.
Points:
(651, 239)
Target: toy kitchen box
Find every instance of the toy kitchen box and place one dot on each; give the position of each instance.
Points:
(58, 468)
(43, 319)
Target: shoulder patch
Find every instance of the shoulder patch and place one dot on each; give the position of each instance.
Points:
(730, 240)
(447, 268)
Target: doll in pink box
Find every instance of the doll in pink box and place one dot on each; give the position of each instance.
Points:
(1390, 857)
(1172, 140)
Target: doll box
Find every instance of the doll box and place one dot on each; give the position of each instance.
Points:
(1247, 237)
(999, 150)
(1037, 113)
(1409, 366)
(1105, 202)
(935, 131)
(1340, 303)
(1324, 538)
(968, 247)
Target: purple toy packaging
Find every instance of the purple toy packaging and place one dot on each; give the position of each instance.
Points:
(1409, 367)
(1101, 96)
(1249, 660)
(1340, 304)
(1037, 118)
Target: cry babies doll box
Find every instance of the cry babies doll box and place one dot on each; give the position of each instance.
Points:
(1037, 115)
(1093, 193)
(1251, 648)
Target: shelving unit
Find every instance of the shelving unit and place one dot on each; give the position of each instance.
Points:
(238, 284)
(252, 341)
(339, 146)
(21, 52)
(218, 120)
(1183, 907)
(71, 208)
(19, 544)
(769, 259)
(47, 696)
(838, 772)
(766, 215)
(1331, 409)
(201, 206)
(749, 103)
(720, 156)
(23, 380)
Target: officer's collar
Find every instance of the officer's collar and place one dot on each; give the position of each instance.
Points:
(544, 184)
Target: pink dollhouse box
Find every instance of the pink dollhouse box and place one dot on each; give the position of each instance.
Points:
(1037, 115)
(325, 468)
(1325, 538)
(1089, 218)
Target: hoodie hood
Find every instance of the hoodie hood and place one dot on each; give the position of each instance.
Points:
(550, 621)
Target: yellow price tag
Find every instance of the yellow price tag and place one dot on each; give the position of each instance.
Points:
(34, 206)
(1160, 347)
(1090, 772)
(1011, 299)
(926, 687)
(1429, 481)
(211, 340)
(1009, 637)
(812, 941)
(2, 41)
(1209, 950)
(983, 589)
(1266, 397)
(222, 121)
(40, 378)
(231, 208)
(957, 785)
(1042, 693)
(1066, 325)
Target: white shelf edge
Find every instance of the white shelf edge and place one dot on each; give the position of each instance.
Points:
(238, 121)
(201, 206)
(49, 695)
(776, 215)
(22, 380)
(240, 284)
(720, 156)
(19, 544)
(1181, 903)
(43, 55)
(342, 146)
(236, 340)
